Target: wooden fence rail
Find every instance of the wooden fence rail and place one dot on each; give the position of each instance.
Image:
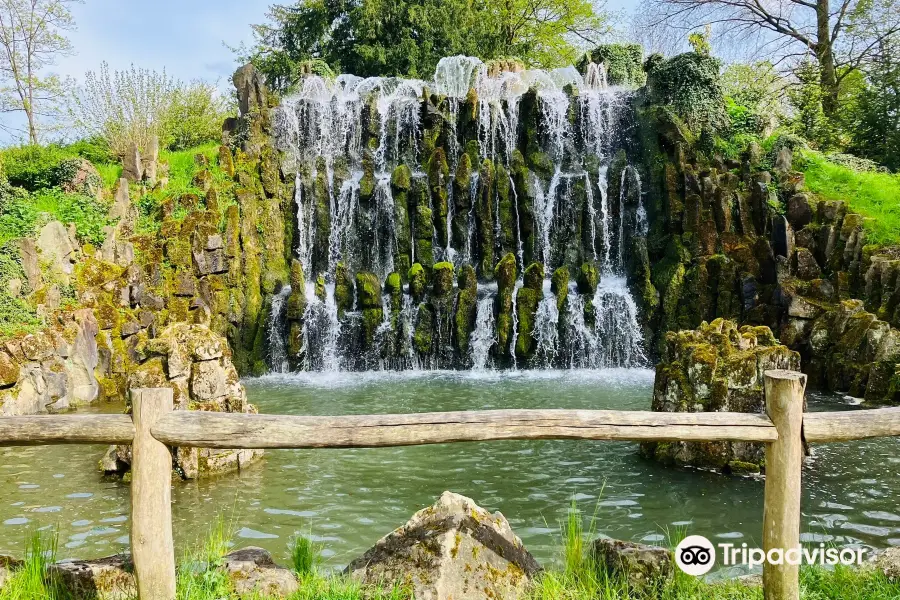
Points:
(153, 426)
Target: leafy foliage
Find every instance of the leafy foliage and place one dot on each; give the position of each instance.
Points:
(26, 212)
(132, 106)
(690, 84)
(875, 131)
(34, 167)
(623, 62)
(409, 37)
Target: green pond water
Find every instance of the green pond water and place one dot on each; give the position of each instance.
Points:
(347, 499)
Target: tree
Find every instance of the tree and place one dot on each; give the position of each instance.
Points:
(876, 127)
(408, 37)
(122, 107)
(31, 38)
(839, 37)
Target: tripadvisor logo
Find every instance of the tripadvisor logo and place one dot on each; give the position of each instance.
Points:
(696, 555)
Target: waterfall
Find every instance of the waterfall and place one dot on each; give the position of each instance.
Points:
(343, 140)
(321, 331)
(275, 331)
(617, 326)
(546, 330)
(484, 335)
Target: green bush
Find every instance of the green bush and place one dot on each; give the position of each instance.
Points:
(623, 62)
(34, 167)
(23, 215)
(95, 149)
(689, 83)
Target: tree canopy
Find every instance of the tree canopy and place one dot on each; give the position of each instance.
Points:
(409, 37)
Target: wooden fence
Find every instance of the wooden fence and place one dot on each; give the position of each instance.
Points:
(154, 425)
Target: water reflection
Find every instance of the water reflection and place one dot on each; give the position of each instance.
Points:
(347, 499)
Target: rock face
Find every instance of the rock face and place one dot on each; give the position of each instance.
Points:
(717, 367)
(196, 363)
(110, 578)
(453, 550)
(252, 572)
(641, 565)
(56, 248)
(51, 369)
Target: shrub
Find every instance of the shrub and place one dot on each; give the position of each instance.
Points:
(623, 63)
(132, 106)
(195, 116)
(690, 84)
(34, 167)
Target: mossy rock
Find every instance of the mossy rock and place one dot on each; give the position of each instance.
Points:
(372, 318)
(423, 334)
(534, 276)
(368, 291)
(418, 282)
(588, 279)
(505, 272)
(297, 300)
(559, 285)
(343, 289)
(442, 279)
(466, 305)
(527, 300)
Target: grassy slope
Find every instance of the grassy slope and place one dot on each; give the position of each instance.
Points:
(871, 194)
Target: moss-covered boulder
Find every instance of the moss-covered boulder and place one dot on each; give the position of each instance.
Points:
(559, 285)
(505, 274)
(466, 304)
(368, 291)
(343, 289)
(418, 282)
(393, 287)
(588, 278)
(297, 300)
(527, 299)
(718, 367)
(442, 279)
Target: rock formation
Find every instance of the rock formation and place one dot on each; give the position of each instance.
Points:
(451, 550)
(717, 367)
(196, 363)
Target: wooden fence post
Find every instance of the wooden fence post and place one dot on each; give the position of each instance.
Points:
(784, 459)
(152, 547)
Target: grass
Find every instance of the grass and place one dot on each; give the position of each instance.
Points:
(875, 195)
(577, 578)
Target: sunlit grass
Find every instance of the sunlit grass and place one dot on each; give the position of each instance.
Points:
(874, 195)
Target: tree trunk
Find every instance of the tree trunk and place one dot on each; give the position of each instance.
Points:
(825, 56)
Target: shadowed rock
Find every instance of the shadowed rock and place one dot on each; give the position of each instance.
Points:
(641, 565)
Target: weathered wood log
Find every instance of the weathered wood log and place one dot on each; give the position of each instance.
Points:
(66, 429)
(784, 460)
(219, 430)
(851, 425)
(152, 546)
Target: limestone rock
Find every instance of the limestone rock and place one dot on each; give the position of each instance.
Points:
(641, 565)
(56, 248)
(110, 578)
(132, 167)
(252, 571)
(453, 550)
(150, 159)
(717, 367)
(783, 160)
(799, 214)
(82, 177)
(889, 563)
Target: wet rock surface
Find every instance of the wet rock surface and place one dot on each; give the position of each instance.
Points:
(717, 367)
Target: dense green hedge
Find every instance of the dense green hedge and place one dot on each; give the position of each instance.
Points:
(623, 62)
(690, 85)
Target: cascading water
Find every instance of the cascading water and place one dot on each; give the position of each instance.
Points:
(375, 163)
(275, 331)
(484, 335)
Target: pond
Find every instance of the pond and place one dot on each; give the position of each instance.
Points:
(347, 499)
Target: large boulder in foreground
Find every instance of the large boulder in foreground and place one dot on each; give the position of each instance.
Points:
(717, 367)
(453, 550)
(110, 578)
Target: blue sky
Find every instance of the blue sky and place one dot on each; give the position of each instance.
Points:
(185, 37)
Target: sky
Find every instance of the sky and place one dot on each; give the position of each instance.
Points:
(185, 37)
